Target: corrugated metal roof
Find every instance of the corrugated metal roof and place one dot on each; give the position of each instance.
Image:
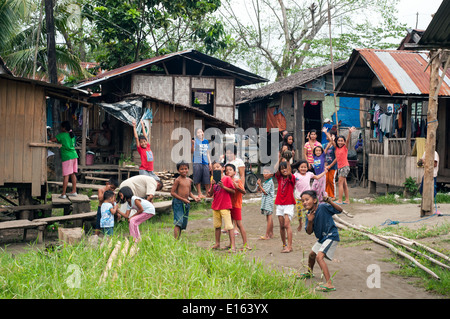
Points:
(242, 77)
(402, 72)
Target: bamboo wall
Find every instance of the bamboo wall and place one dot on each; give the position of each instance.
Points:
(22, 121)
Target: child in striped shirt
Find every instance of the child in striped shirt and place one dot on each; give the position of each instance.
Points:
(267, 189)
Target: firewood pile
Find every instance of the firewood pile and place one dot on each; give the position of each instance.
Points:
(167, 179)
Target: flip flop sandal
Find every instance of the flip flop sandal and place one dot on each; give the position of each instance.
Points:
(324, 288)
(306, 275)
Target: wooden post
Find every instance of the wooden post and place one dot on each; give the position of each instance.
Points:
(430, 145)
(83, 136)
(299, 135)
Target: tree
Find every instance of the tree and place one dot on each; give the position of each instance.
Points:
(290, 34)
(24, 39)
(134, 30)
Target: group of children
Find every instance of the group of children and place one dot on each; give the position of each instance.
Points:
(295, 194)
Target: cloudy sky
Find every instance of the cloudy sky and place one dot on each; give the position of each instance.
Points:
(407, 12)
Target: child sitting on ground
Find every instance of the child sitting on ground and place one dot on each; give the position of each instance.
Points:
(110, 185)
(267, 189)
(108, 209)
(221, 205)
(320, 221)
(236, 202)
(181, 190)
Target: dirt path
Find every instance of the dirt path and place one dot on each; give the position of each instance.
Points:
(350, 266)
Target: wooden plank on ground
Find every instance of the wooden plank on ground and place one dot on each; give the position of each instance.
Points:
(67, 217)
(60, 201)
(22, 223)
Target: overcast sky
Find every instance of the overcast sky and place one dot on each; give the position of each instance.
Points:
(407, 10)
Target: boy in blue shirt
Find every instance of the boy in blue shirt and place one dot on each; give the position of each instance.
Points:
(320, 221)
(202, 162)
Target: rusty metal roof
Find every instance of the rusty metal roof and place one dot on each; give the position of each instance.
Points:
(241, 76)
(400, 72)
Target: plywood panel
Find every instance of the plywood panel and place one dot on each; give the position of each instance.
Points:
(182, 91)
(225, 92)
(203, 83)
(156, 86)
(225, 113)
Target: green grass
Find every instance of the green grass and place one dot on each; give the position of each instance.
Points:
(163, 268)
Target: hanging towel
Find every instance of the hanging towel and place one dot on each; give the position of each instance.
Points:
(419, 147)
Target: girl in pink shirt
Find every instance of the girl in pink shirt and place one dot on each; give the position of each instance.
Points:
(302, 183)
(341, 152)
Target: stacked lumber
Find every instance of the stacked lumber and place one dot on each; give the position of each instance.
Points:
(167, 179)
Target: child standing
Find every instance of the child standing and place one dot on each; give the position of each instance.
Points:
(110, 185)
(69, 158)
(144, 150)
(319, 167)
(108, 209)
(181, 190)
(144, 210)
(201, 161)
(331, 165)
(236, 202)
(285, 202)
(302, 183)
(341, 151)
(221, 206)
(320, 221)
(267, 189)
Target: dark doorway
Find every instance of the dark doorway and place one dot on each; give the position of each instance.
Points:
(313, 118)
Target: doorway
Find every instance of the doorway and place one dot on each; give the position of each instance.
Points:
(313, 118)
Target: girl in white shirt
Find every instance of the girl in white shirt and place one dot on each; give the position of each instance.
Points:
(144, 210)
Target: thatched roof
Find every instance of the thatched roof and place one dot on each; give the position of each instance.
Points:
(289, 83)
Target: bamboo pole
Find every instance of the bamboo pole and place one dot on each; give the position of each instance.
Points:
(340, 223)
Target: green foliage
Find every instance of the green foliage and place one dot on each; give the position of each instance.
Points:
(132, 31)
(411, 185)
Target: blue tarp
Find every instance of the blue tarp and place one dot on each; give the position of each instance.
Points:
(348, 112)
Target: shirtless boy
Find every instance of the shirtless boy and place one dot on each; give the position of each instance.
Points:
(181, 191)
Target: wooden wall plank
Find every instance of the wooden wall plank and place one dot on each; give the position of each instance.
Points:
(3, 110)
(37, 152)
(19, 133)
(28, 134)
(10, 122)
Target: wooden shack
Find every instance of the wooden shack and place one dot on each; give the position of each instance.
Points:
(179, 89)
(23, 132)
(395, 83)
(303, 100)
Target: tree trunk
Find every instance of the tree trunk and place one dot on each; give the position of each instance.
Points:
(430, 147)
